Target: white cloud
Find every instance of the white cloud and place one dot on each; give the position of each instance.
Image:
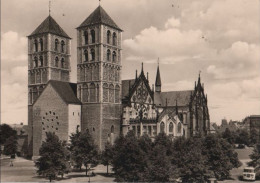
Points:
(172, 22)
(13, 47)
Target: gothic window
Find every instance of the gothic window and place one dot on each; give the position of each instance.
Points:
(108, 55)
(56, 62)
(108, 37)
(111, 93)
(62, 63)
(114, 56)
(93, 36)
(35, 94)
(112, 129)
(41, 61)
(97, 93)
(86, 55)
(114, 38)
(35, 62)
(105, 92)
(86, 37)
(92, 54)
(162, 126)
(38, 77)
(30, 96)
(117, 94)
(35, 45)
(179, 127)
(85, 93)
(56, 44)
(92, 93)
(62, 46)
(171, 127)
(41, 44)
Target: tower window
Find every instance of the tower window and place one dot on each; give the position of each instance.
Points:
(92, 54)
(114, 38)
(114, 56)
(162, 126)
(62, 63)
(112, 129)
(41, 44)
(62, 46)
(41, 61)
(35, 62)
(108, 55)
(108, 37)
(35, 45)
(56, 62)
(86, 55)
(93, 36)
(86, 37)
(179, 127)
(56, 44)
(171, 127)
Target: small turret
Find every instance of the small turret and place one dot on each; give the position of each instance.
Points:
(158, 80)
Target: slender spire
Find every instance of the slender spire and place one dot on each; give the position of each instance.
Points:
(142, 70)
(147, 76)
(136, 74)
(199, 77)
(158, 83)
(49, 7)
(176, 107)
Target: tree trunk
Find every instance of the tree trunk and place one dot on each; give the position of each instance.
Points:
(107, 169)
(50, 178)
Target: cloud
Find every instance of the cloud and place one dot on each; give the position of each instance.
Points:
(172, 22)
(13, 47)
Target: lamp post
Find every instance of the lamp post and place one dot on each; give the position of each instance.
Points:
(89, 165)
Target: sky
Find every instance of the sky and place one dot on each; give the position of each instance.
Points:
(220, 38)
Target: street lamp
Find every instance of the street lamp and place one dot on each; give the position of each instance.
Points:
(88, 167)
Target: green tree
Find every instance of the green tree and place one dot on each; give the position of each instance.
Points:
(10, 145)
(129, 159)
(83, 150)
(6, 132)
(53, 159)
(107, 155)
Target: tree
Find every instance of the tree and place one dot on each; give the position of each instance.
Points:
(254, 136)
(221, 157)
(107, 155)
(255, 158)
(10, 145)
(83, 149)
(229, 136)
(243, 137)
(129, 159)
(6, 132)
(54, 157)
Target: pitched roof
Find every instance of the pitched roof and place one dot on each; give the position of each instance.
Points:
(182, 97)
(125, 86)
(49, 25)
(66, 90)
(158, 78)
(99, 16)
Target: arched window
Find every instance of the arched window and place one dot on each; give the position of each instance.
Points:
(56, 44)
(41, 61)
(92, 93)
(171, 127)
(117, 94)
(111, 93)
(56, 62)
(92, 54)
(162, 126)
(114, 56)
(85, 93)
(108, 37)
(62, 46)
(35, 62)
(112, 129)
(86, 55)
(62, 63)
(93, 36)
(86, 37)
(30, 96)
(35, 94)
(108, 55)
(179, 127)
(41, 44)
(114, 38)
(35, 45)
(105, 92)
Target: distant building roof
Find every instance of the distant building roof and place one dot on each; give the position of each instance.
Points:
(99, 16)
(66, 90)
(49, 25)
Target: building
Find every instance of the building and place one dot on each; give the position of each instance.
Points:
(252, 122)
(100, 101)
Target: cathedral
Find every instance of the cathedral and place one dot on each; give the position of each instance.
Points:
(101, 102)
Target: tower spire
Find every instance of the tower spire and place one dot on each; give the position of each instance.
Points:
(142, 67)
(158, 83)
(176, 107)
(49, 7)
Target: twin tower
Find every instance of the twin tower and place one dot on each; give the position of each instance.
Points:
(98, 86)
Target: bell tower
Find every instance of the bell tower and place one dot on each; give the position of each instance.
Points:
(99, 75)
(48, 59)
